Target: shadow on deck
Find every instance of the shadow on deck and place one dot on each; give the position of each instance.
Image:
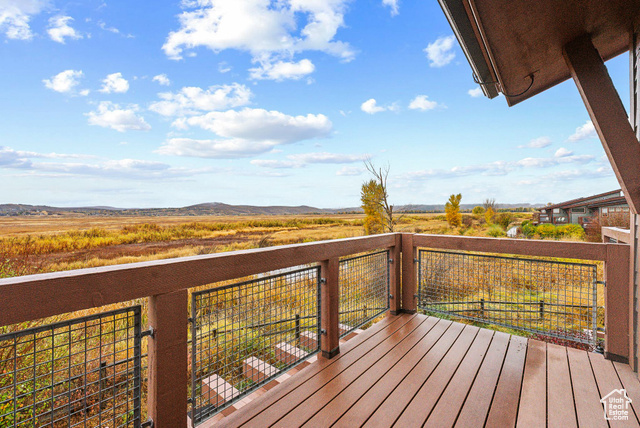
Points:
(414, 370)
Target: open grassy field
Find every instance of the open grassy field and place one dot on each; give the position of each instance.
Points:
(32, 244)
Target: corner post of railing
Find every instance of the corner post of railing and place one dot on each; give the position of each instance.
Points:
(330, 307)
(395, 276)
(167, 387)
(409, 273)
(617, 318)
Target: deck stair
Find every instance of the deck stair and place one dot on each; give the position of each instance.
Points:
(257, 370)
(218, 390)
(309, 339)
(288, 354)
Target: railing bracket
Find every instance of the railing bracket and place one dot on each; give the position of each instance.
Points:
(147, 424)
(151, 333)
(323, 280)
(391, 296)
(416, 260)
(323, 331)
(390, 260)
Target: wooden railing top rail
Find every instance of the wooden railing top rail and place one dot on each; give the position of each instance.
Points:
(529, 247)
(38, 296)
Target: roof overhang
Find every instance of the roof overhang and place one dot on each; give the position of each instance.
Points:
(515, 47)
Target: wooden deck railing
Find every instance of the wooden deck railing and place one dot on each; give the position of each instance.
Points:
(166, 282)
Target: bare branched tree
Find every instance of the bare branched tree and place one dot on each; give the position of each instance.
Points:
(380, 175)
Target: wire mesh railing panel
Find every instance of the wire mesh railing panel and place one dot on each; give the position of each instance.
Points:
(364, 289)
(81, 372)
(549, 299)
(244, 335)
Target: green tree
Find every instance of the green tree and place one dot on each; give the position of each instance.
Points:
(370, 196)
(452, 210)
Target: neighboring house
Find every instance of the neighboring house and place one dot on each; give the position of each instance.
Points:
(582, 211)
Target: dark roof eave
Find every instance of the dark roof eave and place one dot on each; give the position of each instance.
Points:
(457, 16)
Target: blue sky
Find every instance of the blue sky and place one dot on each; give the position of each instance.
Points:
(145, 103)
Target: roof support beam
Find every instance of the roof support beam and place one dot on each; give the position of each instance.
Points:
(608, 115)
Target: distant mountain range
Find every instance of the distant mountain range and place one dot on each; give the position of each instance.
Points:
(218, 208)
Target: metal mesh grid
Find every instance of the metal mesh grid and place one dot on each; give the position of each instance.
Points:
(245, 334)
(81, 372)
(546, 298)
(364, 289)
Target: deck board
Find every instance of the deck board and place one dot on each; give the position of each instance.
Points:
(313, 403)
(504, 407)
(414, 370)
(333, 407)
(395, 403)
(368, 403)
(459, 361)
(561, 410)
(533, 398)
(476, 406)
(585, 390)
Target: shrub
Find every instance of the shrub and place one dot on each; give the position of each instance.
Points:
(504, 220)
(546, 231)
(496, 231)
(528, 230)
(467, 220)
(478, 211)
(571, 230)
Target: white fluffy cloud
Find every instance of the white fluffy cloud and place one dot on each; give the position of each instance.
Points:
(60, 164)
(302, 159)
(562, 152)
(422, 102)
(350, 171)
(59, 29)
(371, 107)
(114, 83)
(194, 100)
(110, 115)
(475, 92)
(562, 157)
(65, 82)
(15, 16)
(282, 70)
(582, 132)
(440, 52)
(247, 132)
(162, 80)
(267, 30)
(537, 143)
(393, 5)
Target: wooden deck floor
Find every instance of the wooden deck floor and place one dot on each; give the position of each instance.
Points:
(414, 370)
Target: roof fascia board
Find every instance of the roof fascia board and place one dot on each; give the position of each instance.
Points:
(468, 37)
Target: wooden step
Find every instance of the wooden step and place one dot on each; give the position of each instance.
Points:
(309, 339)
(218, 391)
(257, 370)
(287, 353)
(343, 328)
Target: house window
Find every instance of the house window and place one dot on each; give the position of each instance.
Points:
(556, 210)
(625, 209)
(605, 211)
(578, 210)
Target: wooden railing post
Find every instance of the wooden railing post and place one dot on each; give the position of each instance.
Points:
(395, 276)
(167, 389)
(617, 343)
(330, 295)
(409, 290)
